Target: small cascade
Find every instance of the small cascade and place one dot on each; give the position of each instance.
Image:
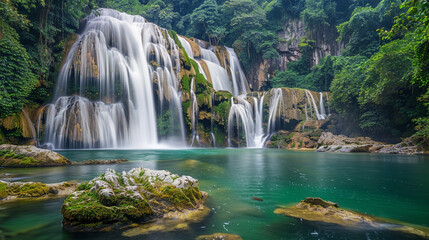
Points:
(313, 105)
(258, 106)
(239, 81)
(251, 120)
(213, 139)
(327, 101)
(76, 122)
(209, 56)
(276, 104)
(194, 115)
(219, 76)
(242, 113)
(322, 106)
(187, 47)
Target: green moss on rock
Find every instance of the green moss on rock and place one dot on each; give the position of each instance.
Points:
(115, 199)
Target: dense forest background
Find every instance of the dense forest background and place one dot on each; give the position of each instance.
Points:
(379, 84)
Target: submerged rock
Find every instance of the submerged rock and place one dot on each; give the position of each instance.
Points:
(319, 210)
(29, 156)
(171, 221)
(19, 190)
(100, 162)
(119, 199)
(219, 236)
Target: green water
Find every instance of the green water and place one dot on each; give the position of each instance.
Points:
(389, 186)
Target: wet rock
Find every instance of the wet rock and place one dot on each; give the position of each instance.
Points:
(100, 162)
(19, 190)
(328, 138)
(319, 210)
(171, 221)
(219, 236)
(29, 156)
(139, 196)
(329, 142)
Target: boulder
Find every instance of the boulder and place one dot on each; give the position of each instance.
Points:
(29, 156)
(135, 197)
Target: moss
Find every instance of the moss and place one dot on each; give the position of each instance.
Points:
(222, 110)
(28, 190)
(185, 83)
(180, 198)
(292, 145)
(3, 192)
(10, 159)
(200, 84)
(85, 208)
(187, 64)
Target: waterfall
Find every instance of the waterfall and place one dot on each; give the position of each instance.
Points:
(242, 113)
(219, 76)
(322, 106)
(187, 46)
(251, 120)
(210, 56)
(258, 107)
(105, 90)
(313, 105)
(194, 115)
(327, 101)
(239, 81)
(213, 139)
(119, 87)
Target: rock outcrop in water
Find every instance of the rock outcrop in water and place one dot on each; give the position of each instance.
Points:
(138, 196)
(319, 210)
(29, 156)
(19, 190)
(219, 236)
(329, 142)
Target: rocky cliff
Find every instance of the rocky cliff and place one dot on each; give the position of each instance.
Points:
(294, 31)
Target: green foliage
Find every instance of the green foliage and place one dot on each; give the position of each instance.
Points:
(318, 13)
(16, 77)
(360, 32)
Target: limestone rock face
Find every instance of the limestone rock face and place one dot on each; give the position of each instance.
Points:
(294, 30)
(29, 156)
(137, 196)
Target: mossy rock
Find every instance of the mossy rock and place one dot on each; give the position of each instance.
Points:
(29, 156)
(138, 196)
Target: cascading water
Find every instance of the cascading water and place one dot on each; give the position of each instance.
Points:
(239, 81)
(314, 106)
(251, 120)
(119, 88)
(194, 115)
(104, 95)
